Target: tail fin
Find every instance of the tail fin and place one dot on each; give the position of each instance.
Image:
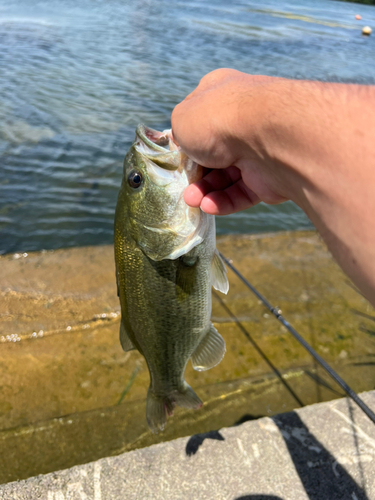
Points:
(159, 407)
(186, 398)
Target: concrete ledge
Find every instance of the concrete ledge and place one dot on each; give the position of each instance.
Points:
(324, 451)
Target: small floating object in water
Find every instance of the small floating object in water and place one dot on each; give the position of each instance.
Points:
(358, 17)
(366, 30)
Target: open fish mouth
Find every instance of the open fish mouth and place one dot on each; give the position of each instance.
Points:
(154, 138)
(158, 147)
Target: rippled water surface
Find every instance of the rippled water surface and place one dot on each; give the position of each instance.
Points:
(76, 77)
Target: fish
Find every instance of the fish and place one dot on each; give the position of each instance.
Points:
(166, 262)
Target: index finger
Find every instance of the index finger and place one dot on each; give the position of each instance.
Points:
(215, 180)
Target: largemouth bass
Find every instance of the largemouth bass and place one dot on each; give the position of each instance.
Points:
(166, 262)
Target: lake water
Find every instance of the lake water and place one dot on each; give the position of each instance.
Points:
(77, 77)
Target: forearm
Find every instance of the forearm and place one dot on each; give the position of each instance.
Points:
(272, 139)
(318, 144)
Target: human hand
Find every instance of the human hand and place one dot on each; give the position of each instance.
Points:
(212, 126)
(273, 139)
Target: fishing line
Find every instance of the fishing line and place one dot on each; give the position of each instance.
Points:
(277, 313)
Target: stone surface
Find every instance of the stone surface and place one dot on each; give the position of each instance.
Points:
(321, 452)
(70, 395)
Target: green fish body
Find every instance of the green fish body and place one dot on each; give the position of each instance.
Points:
(166, 262)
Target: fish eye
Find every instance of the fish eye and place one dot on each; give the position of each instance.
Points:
(134, 179)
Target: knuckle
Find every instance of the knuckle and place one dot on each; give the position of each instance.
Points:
(176, 113)
(217, 75)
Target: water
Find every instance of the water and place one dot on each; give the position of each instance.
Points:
(77, 77)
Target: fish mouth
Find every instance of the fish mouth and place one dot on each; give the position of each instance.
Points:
(153, 138)
(158, 147)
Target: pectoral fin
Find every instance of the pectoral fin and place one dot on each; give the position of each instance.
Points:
(219, 278)
(126, 343)
(209, 352)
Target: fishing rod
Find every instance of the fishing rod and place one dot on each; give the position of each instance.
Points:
(277, 313)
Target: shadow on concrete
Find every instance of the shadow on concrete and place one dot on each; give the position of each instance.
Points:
(365, 328)
(323, 478)
(258, 349)
(246, 418)
(321, 475)
(362, 314)
(323, 383)
(196, 441)
(258, 497)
